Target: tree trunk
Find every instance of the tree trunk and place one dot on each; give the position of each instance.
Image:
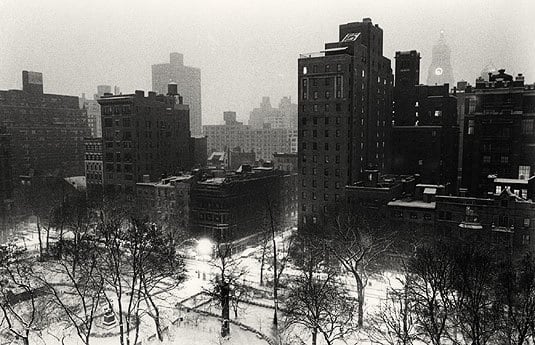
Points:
(314, 336)
(39, 238)
(262, 263)
(360, 293)
(225, 309)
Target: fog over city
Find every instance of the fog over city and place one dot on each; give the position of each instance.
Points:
(320, 172)
(245, 49)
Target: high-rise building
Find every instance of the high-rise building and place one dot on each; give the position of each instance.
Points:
(405, 92)
(94, 119)
(47, 130)
(499, 134)
(440, 70)
(285, 116)
(143, 138)
(263, 142)
(345, 113)
(425, 132)
(188, 80)
(93, 165)
(6, 179)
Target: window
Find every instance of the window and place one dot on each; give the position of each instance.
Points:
(420, 162)
(315, 120)
(314, 196)
(338, 107)
(338, 120)
(315, 133)
(314, 69)
(337, 185)
(303, 195)
(327, 81)
(498, 189)
(525, 239)
(325, 184)
(524, 172)
(339, 67)
(327, 68)
(326, 197)
(314, 171)
(315, 95)
(338, 94)
(470, 127)
(413, 215)
(315, 107)
(337, 172)
(486, 159)
(326, 147)
(305, 70)
(326, 172)
(108, 122)
(327, 108)
(304, 120)
(314, 183)
(326, 159)
(314, 159)
(337, 146)
(438, 113)
(337, 133)
(326, 120)
(326, 133)
(527, 126)
(327, 94)
(304, 183)
(314, 146)
(526, 222)
(504, 159)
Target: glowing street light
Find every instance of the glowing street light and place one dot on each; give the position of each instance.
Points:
(204, 247)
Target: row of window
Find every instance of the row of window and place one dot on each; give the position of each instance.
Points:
(116, 109)
(315, 94)
(503, 159)
(326, 159)
(326, 171)
(326, 68)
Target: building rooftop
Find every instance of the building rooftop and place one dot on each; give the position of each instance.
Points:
(413, 204)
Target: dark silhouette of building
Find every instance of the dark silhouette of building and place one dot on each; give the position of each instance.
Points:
(504, 220)
(93, 165)
(188, 80)
(345, 112)
(199, 151)
(47, 130)
(440, 71)
(143, 136)
(6, 179)
(425, 132)
(407, 77)
(237, 205)
(499, 132)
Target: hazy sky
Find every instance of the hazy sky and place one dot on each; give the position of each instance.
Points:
(246, 49)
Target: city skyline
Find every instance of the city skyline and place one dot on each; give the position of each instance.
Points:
(121, 52)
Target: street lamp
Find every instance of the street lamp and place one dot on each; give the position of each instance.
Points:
(204, 247)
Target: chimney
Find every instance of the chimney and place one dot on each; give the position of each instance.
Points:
(140, 93)
(32, 82)
(172, 89)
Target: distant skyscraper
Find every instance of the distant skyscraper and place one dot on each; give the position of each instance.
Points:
(101, 90)
(285, 116)
(188, 80)
(94, 121)
(345, 112)
(440, 71)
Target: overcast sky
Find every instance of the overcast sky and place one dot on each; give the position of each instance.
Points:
(245, 49)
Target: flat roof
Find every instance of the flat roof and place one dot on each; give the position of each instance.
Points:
(510, 180)
(413, 204)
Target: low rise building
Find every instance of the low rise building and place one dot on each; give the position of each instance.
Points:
(93, 165)
(240, 204)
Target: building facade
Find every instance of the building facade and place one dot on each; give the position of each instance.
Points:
(345, 113)
(263, 142)
(285, 162)
(94, 171)
(143, 136)
(505, 220)
(188, 80)
(499, 132)
(167, 202)
(6, 178)
(47, 130)
(425, 135)
(239, 204)
(94, 120)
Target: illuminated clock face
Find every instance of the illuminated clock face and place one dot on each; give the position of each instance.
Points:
(438, 71)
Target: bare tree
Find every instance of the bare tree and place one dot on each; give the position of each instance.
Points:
(229, 272)
(359, 246)
(318, 301)
(395, 322)
(476, 311)
(23, 307)
(515, 289)
(431, 291)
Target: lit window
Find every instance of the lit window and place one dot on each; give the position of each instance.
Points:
(305, 70)
(438, 113)
(524, 172)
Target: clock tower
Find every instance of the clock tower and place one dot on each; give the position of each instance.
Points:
(440, 71)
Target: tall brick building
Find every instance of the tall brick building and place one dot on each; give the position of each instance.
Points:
(47, 130)
(6, 179)
(425, 135)
(143, 136)
(499, 132)
(344, 115)
(188, 80)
